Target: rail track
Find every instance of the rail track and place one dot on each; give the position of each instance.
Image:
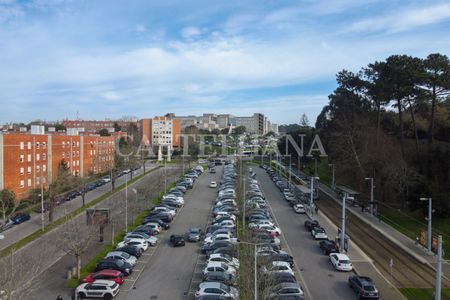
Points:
(407, 272)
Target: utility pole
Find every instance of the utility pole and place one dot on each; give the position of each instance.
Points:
(126, 202)
(437, 291)
(311, 196)
(372, 187)
(333, 178)
(42, 202)
(430, 214)
(315, 167)
(344, 199)
(290, 169)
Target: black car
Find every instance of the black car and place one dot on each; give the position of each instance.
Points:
(160, 222)
(328, 246)
(166, 217)
(132, 250)
(114, 264)
(177, 240)
(147, 230)
(222, 277)
(310, 224)
(364, 286)
(228, 250)
(277, 257)
(275, 278)
(208, 248)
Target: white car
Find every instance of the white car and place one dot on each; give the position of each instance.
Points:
(215, 266)
(140, 243)
(213, 184)
(218, 237)
(319, 233)
(172, 212)
(178, 199)
(227, 224)
(122, 256)
(299, 208)
(220, 214)
(341, 262)
(225, 258)
(216, 289)
(278, 267)
(151, 240)
(154, 226)
(260, 223)
(104, 289)
(227, 201)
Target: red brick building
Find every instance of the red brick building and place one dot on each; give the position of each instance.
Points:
(26, 159)
(94, 126)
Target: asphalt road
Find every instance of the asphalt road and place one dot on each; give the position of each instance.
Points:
(318, 275)
(18, 232)
(169, 271)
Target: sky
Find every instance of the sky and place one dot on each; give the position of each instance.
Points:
(111, 58)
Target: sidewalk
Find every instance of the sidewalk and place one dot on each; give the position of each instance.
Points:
(408, 245)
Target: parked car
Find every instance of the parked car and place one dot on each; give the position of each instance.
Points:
(222, 277)
(319, 233)
(341, 262)
(216, 289)
(225, 259)
(219, 267)
(106, 274)
(328, 246)
(114, 264)
(364, 286)
(286, 289)
(276, 267)
(299, 208)
(177, 240)
(103, 289)
(140, 243)
(310, 224)
(123, 256)
(151, 240)
(5, 226)
(213, 184)
(132, 250)
(20, 218)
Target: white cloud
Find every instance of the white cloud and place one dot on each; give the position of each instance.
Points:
(404, 20)
(140, 28)
(190, 32)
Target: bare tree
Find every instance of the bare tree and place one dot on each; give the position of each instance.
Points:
(8, 203)
(75, 239)
(16, 272)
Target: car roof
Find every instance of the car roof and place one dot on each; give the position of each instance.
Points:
(205, 285)
(288, 285)
(103, 282)
(341, 256)
(280, 263)
(108, 272)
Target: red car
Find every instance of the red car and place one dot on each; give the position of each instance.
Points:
(106, 274)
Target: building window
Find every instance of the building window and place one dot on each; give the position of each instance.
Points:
(44, 145)
(22, 145)
(29, 145)
(44, 156)
(29, 182)
(63, 155)
(38, 169)
(38, 145)
(22, 170)
(38, 181)
(22, 158)
(63, 144)
(22, 184)
(78, 144)
(44, 168)
(38, 157)
(29, 157)
(29, 170)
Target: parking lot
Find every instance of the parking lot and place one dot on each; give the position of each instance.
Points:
(169, 272)
(317, 273)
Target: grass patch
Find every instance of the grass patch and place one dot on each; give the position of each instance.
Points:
(38, 233)
(423, 294)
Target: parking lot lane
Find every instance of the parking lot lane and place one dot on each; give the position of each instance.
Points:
(169, 271)
(322, 280)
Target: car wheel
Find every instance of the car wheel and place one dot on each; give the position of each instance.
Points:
(81, 295)
(107, 297)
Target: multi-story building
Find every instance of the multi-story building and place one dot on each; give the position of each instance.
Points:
(94, 126)
(29, 160)
(161, 132)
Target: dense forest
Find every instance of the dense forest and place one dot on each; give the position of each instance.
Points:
(391, 121)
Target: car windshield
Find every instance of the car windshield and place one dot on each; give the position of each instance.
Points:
(119, 263)
(114, 286)
(125, 255)
(224, 287)
(369, 288)
(195, 230)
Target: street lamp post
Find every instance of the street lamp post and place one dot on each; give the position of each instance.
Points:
(371, 193)
(42, 203)
(333, 178)
(126, 202)
(437, 291)
(315, 167)
(255, 272)
(344, 199)
(290, 169)
(430, 213)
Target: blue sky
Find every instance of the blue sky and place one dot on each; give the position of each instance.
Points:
(108, 59)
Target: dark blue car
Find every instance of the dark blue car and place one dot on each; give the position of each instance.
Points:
(20, 218)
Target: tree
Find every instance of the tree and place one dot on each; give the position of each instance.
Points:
(304, 122)
(63, 183)
(117, 127)
(104, 132)
(75, 239)
(8, 203)
(239, 130)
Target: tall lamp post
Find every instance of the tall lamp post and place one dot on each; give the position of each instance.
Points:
(126, 202)
(430, 213)
(255, 271)
(371, 193)
(342, 244)
(437, 290)
(311, 194)
(333, 178)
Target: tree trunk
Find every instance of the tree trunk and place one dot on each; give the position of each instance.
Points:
(431, 133)
(402, 133)
(51, 208)
(78, 257)
(378, 124)
(83, 197)
(411, 109)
